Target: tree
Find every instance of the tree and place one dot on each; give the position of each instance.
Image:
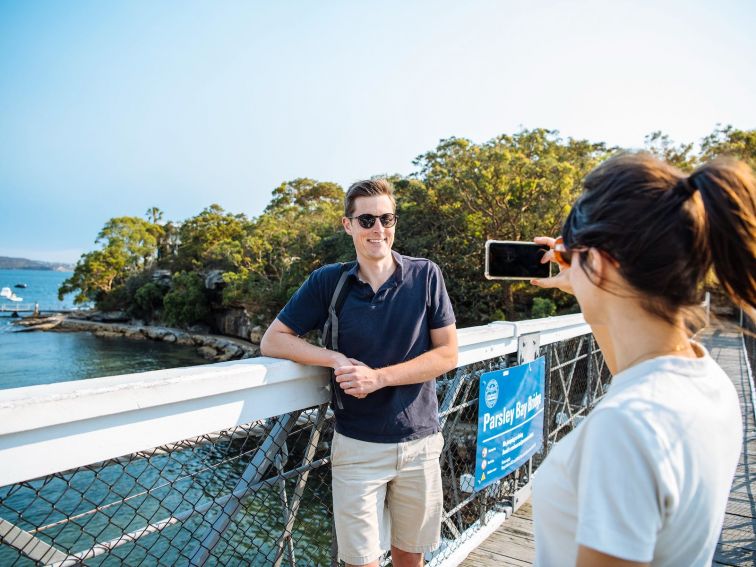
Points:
(510, 188)
(211, 240)
(298, 232)
(186, 303)
(728, 141)
(129, 245)
(137, 238)
(306, 194)
(94, 275)
(154, 215)
(679, 155)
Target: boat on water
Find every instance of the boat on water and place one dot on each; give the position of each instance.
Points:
(21, 285)
(9, 295)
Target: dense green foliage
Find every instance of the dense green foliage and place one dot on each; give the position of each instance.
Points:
(512, 187)
(187, 301)
(298, 232)
(130, 245)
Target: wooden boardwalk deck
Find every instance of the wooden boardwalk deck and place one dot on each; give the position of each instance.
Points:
(513, 543)
(737, 544)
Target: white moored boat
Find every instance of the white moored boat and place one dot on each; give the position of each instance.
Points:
(8, 294)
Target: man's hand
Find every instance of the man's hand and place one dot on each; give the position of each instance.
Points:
(357, 379)
(339, 360)
(559, 281)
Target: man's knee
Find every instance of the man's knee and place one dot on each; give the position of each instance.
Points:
(401, 558)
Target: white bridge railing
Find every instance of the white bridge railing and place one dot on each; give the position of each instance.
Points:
(230, 460)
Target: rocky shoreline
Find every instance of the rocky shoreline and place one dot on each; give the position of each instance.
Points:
(217, 348)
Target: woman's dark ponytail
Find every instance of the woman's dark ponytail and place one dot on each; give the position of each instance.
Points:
(666, 230)
(727, 191)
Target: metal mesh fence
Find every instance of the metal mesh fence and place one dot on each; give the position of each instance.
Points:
(259, 494)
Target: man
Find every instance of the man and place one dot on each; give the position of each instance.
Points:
(396, 335)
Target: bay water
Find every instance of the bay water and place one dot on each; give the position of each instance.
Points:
(31, 358)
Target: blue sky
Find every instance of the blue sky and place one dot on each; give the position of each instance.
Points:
(109, 108)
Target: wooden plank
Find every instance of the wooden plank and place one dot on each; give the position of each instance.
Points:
(512, 544)
(734, 555)
(739, 538)
(733, 521)
(482, 558)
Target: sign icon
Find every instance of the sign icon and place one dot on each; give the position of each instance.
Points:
(492, 393)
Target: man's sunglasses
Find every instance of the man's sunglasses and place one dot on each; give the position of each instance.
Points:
(367, 221)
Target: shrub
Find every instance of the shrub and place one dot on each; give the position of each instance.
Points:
(542, 307)
(186, 303)
(148, 301)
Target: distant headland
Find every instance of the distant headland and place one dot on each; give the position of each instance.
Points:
(25, 264)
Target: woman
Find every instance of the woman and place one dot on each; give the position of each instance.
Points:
(644, 480)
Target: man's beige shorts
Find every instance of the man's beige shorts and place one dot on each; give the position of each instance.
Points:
(382, 489)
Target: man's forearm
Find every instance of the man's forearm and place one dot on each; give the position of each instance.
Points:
(427, 366)
(292, 347)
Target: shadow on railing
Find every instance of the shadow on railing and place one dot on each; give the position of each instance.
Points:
(229, 463)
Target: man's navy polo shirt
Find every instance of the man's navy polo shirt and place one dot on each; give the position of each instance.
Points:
(380, 329)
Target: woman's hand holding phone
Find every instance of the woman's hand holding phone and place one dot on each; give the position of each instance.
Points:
(559, 281)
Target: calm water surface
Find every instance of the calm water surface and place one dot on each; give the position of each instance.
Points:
(28, 359)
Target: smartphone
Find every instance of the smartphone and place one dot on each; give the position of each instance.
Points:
(510, 260)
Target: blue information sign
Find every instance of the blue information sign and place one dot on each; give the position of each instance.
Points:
(510, 420)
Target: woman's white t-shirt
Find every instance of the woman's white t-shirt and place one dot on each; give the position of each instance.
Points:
(647, 474)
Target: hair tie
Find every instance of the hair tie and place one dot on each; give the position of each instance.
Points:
(685, 187)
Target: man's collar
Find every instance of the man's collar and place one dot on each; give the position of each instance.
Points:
(354, 269)
(398, 273)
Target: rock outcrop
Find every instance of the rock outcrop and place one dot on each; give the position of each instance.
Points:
(212, 347)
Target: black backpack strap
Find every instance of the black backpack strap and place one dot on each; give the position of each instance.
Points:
(330, 338)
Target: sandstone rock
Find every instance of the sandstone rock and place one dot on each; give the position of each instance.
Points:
(223, 357)
(233, 322)
(233, 351)
(111, 317)
(156, 333)
(107, 334)
(40, 325)
(199, 328)
(207, 352)
(135, 334)
(81, 314)
(214, 279)
(256, 334)
(215, 342)
(251, 352)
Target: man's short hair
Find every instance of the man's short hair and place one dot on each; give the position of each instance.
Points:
(367, 188)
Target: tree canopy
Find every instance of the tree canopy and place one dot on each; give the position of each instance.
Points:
(513, 187)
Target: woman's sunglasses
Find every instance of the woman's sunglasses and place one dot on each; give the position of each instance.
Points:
(367, 221)
(562, 254)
